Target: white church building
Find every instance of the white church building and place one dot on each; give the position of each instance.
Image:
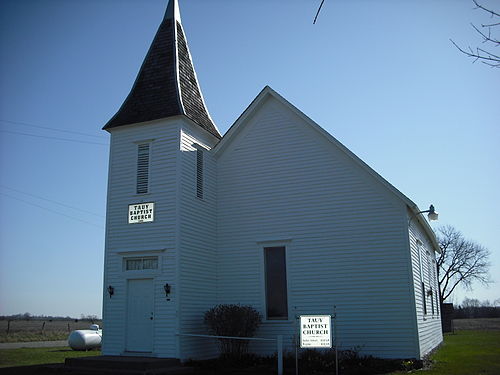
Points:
(276, 214)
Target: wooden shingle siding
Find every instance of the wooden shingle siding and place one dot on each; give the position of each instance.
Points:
(197, 243)
(158, 236)
(347, 243)
(429, 325)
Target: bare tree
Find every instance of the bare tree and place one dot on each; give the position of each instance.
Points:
(488, 39)
(461, 262)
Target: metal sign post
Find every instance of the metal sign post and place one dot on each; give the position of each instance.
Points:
(335, 338)
(296, 343)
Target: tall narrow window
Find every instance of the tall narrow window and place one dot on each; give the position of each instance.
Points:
(424, 302)
(422, 285)
(199, 173)
(436, 286)
(142, 168)
(430, 275)
(276, 289)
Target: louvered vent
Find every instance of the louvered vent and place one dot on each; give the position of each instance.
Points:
(142, 168)
(199, 173)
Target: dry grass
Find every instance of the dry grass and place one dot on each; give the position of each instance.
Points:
(490, 324)
(39, 330)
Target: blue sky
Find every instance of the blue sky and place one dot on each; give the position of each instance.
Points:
(380, 76)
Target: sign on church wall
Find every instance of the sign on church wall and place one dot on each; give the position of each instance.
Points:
(315, 331)
(141, 213)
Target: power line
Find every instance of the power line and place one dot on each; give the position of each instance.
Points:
(56, 138)
(53, 211)
(52, 201)
(317, 13)
(49, 128)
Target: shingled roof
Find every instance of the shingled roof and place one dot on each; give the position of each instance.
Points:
(166, 84)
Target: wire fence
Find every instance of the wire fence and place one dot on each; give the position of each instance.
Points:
(278, 340)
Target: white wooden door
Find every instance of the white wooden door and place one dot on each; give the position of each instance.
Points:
(140, 315)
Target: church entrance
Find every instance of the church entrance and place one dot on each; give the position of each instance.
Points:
(140, 315)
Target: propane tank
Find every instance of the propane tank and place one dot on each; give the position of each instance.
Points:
(86, 339)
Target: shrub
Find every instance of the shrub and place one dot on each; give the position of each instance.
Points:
(236, 321)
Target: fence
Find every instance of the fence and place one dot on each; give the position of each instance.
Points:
(278, 339)
(16, 326)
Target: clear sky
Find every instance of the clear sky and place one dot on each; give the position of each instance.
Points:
(380, 76)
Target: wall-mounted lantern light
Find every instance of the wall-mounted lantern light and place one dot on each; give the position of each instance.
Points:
(167, 289)
(111, 291)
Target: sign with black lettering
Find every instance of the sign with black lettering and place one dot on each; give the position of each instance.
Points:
(315, 331)
(141, 213)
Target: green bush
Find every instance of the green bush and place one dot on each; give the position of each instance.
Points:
(235, 321)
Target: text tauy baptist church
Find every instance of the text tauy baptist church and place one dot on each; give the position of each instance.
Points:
(276, 214)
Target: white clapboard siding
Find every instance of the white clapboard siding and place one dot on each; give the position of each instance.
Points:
(429, 325)
(157, 238)
(282, 182)
(197, 269)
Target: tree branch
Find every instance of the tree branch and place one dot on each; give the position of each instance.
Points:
(486, 9)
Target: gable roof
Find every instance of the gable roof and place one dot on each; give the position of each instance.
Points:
(166, 84)
(267, 92)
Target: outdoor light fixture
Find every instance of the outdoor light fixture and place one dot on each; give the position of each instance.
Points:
(111, 291)
(167, 288)
(431, 214)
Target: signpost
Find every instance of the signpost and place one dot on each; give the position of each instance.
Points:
(315, 331)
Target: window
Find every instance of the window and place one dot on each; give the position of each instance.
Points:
(421, 267)
(424, 302)
(142, 168)
(199, 173)
(435, 281)
(276, 289)
(138, 264)
(430, 275)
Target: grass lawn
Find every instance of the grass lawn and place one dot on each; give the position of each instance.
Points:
(466, 353)
(37, 356)
(470, 352)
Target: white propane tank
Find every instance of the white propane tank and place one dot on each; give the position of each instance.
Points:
(85, 339)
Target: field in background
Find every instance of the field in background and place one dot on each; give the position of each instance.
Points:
(40, 330)
(477, 324)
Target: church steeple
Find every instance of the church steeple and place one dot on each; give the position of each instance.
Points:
(166, 84)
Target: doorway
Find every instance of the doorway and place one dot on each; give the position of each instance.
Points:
(140, 316)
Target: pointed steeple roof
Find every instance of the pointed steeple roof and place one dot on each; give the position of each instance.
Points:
(166, 84)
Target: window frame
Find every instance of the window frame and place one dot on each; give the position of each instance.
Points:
(422, 278)
(141, 258)
(286, 282)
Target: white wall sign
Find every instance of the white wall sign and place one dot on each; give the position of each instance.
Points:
(141, 213)
(315, 331)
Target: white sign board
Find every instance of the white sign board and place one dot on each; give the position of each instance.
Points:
(141, 213)
(315, 331)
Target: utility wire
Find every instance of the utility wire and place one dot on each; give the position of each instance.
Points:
(49, 128)
(52, 201)
(317, 13)
(56, 138)
(53, 211)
